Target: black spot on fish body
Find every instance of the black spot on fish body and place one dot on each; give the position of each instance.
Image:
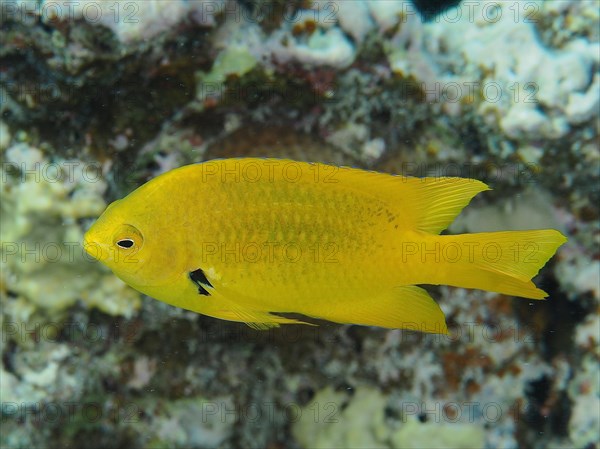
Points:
(199, 278)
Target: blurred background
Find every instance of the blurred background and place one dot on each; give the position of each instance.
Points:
(98, 97)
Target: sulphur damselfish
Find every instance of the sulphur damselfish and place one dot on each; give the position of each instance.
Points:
(252, 240)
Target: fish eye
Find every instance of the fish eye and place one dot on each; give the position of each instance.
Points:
(129, 238)
(125, 243)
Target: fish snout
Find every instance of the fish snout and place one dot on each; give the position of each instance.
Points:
(92, 246)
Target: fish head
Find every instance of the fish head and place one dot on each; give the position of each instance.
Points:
(121, 240)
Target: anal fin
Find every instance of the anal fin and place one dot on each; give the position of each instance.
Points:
(404, 307)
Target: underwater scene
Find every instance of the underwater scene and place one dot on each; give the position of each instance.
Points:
(385, 234)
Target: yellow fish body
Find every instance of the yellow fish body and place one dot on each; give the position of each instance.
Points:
(248, 239)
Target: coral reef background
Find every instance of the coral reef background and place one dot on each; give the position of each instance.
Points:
(97, 97)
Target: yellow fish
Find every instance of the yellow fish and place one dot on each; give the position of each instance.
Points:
(250, 239)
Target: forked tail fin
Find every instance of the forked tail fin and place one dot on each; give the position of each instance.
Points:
(503, 262)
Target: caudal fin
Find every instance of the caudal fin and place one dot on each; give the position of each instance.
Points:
(503, 262)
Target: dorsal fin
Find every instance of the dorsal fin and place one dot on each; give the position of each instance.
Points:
(424, 204)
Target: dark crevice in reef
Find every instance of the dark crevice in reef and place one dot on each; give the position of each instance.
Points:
(546, 413)
(554, 319)
(547, 409)
(430, 9)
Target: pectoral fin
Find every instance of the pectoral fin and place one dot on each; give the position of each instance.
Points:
(199, 278)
